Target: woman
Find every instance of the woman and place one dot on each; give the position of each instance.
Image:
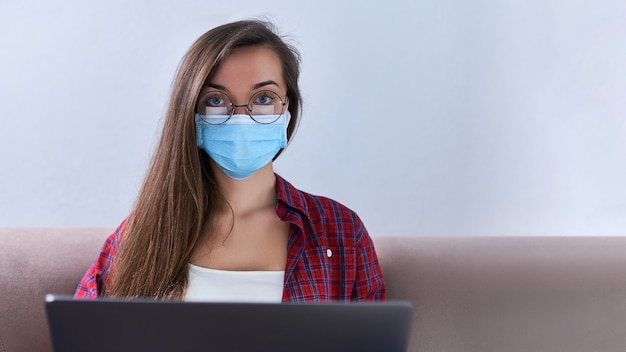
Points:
(212, 220)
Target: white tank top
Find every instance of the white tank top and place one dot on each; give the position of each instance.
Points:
(212, 285)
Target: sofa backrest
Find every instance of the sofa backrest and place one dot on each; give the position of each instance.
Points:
(510, 293)
(33, 263)
(469, 294)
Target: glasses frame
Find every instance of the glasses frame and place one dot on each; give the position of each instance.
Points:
(233, 106)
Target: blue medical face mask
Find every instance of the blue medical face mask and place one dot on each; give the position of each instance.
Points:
(241, 146)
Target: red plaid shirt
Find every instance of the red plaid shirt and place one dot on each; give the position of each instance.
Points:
(330, 256)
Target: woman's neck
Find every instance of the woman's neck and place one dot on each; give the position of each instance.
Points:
(251, 194)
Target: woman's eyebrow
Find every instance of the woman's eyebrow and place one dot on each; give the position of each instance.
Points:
(265, 83)
(216, 86)
(256, 86)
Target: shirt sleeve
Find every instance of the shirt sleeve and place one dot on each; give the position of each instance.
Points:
(91, 285)
(369, 283)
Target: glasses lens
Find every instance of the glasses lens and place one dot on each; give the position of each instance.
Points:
(266, 107)
(215, 108)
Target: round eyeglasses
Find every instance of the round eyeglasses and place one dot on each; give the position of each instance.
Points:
(264, 107)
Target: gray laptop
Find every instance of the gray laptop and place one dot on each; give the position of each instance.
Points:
(158, 326)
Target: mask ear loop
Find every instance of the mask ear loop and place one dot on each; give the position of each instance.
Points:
(287, 115)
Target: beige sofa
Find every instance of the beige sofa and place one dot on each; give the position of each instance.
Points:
(469, 294)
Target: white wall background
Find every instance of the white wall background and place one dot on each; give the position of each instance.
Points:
(427, 117)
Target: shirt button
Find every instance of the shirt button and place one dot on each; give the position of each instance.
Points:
(329, 253)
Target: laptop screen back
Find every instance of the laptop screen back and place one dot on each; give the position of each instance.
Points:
(159, 326)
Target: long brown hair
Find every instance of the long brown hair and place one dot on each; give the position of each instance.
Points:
(178, 196)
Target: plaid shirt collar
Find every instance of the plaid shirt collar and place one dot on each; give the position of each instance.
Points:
(289, 200)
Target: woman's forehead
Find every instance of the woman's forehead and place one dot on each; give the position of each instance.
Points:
(247, 67)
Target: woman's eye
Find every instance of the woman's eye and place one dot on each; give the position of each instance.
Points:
(264, 99)
(215, 101)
